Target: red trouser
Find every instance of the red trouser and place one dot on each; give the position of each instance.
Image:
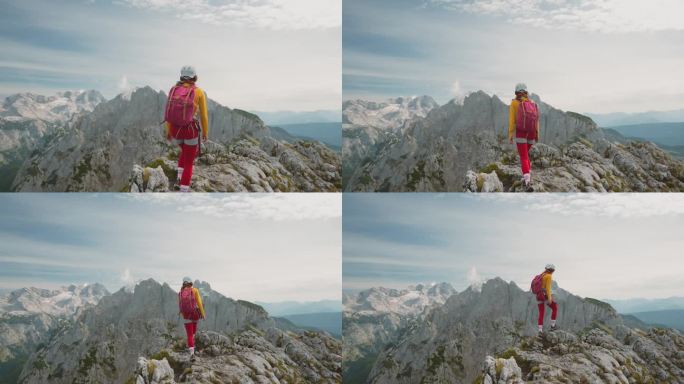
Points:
(541, 300)
(188, 139)
(190, 329)
(524, 141)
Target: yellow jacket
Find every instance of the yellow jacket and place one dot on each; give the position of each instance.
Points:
(546, 284)
(512, 113)
(200, 108)
(198, 300)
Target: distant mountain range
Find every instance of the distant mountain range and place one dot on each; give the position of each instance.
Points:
(284, 308)
(300, 117)
(328, 133)
(646, 305)
(606, 120)
(330, 322)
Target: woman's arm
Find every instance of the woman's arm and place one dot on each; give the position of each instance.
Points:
(511, 119)
(204, 115)
(198, 299)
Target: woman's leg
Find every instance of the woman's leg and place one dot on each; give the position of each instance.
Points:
(524, 157)
(554, 312)
(529, 164)
(540, 320)
(190, 333)
(181, 161)
(188, 161)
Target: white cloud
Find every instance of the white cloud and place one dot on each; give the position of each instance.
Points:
(456, 89)
(587, 15)
(266, 14)
(278, 207)
(123, 84)
(475, 280)
(622, 205)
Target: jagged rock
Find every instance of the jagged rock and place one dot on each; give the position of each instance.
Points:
(435, 153)
(154, 372)
(501, 371)
(598, 356)
(274, 356)
(482, 182)
(99, 151)
(149, 179)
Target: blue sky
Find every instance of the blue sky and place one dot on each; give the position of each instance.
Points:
(580, 55)
(261, 248)
(605, 246)
(265, 55)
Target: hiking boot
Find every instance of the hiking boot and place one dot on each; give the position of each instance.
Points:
(553, 327)
(176, 185)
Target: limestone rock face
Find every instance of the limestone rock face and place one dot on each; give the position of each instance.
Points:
(488, 335)
(376, 317)
(450, 343)
(436, 152)
(136, 335)
(99, 151)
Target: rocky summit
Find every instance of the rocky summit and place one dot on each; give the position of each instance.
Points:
(136, 336)
(457, 146)
(375, 318)
(104, 148)
(488, 335)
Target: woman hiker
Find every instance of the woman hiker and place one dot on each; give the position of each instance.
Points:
(185, 104)
(191, 308)
(541, 287)
(523, 123)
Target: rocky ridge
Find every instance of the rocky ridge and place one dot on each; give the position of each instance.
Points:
(436, 153)
(488, 335)
(102, 151)
(599, 355)
(106, 342)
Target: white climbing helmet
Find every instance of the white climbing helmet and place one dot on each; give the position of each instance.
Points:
(550, 267)
(187, 279)
(520, 87)
(188, 71)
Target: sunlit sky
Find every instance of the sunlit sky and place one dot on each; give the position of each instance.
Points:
(582, 55)
(604, 246)
(265, 55)
(265, 248)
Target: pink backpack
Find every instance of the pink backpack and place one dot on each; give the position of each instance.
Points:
(187, 304)
(180, 106)
(537, 283)
(527, 116)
